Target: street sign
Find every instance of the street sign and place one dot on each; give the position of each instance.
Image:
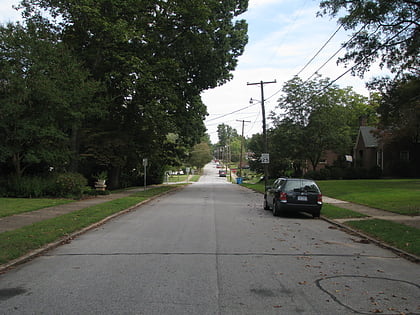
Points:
(265, 158)
(144, 162)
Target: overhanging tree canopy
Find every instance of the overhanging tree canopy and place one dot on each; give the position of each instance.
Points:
(154, 58)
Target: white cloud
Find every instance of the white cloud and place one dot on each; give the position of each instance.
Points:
(7, 13)
(261, 3)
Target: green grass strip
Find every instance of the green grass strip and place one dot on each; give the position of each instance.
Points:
(16, 243)
(11, 206)
(333, 212)
(398, 235)
(396, 195)
(195, 178)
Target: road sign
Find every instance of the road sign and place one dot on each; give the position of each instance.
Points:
(144, 162)
(265, 158)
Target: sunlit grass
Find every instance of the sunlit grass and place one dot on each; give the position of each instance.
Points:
(14, 244)
(11, 206)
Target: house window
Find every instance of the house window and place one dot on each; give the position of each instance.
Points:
(405, 155)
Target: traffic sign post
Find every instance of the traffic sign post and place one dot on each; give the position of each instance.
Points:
(265, 158)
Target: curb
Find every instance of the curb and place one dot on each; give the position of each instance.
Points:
(67, 239)
(397, 251)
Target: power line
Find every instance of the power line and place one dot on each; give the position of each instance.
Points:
(316, 54)
(241, 109)
(323, 46)
(338, 50)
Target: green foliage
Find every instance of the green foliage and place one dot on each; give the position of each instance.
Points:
(200, 155)
(44, 95)
(385, 30)
(399, 110)
(345, 173)
(226, 134)
(316, 116)
(52, 185)
(144, 68)
(69, 184)
(26, 187)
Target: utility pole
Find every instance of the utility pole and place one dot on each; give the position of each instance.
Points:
(261, 83)
(242, 146)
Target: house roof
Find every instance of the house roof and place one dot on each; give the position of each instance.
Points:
(369, 140)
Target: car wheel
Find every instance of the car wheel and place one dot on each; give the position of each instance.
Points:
(316, 214)
(266, 207)
(276, 209)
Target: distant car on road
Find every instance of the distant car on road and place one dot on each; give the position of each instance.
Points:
(222, 173)
(293, 194)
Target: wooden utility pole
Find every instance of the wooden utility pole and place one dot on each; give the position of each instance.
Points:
(242, 146)
(261, 83)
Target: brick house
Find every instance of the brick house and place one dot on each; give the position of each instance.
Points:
(367, 151)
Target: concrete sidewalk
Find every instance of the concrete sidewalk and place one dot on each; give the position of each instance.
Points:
(373, 213)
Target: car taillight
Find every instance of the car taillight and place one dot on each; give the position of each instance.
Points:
(283, 197)
(319, 199)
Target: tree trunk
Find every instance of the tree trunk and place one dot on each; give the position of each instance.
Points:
(114, 177)
(74, 146)
(16, 160)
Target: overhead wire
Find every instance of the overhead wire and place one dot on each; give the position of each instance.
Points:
(319, 51)
(313, 57)
(224, 115)
(335, 54)
(353, 67)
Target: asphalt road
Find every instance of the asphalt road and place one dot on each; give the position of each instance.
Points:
(211, 249)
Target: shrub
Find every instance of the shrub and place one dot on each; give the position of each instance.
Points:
(375, 172)
(26, 187)
(315, 175)
(69, 184)
(324, 173)
(336, 173)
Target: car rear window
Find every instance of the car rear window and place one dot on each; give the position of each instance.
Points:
(301, 185)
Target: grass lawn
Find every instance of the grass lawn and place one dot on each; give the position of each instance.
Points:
(258, 186)
(177, 178)
(397, 195)
(16, 243)
(195, 178)
(10, 206)
(333, 212)
(398, 235)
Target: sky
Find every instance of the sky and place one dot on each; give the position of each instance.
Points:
(283, 37)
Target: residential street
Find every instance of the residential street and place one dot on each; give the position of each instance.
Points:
(210, 248)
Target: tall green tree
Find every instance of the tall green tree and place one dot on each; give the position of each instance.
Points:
(399, 109)
(317, 116)
(226, 134)
(45, 95)
(155, 58)
(200, 155)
